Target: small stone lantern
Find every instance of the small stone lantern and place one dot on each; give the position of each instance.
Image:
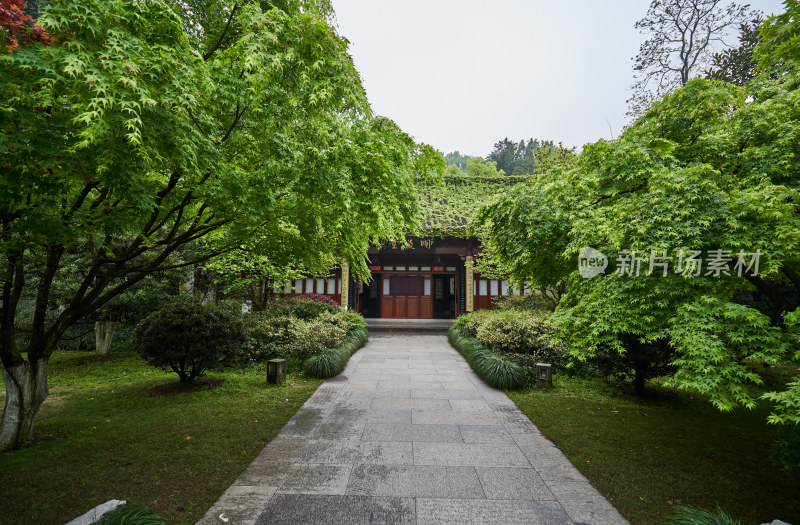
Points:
(276, 371)
(544, 375)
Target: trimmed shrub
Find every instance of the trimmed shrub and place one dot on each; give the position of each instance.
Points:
(333, 361)
(512, 331)
(524, 336)
(314, 336)
(693, 516)
(189, 338)
(267, 337)
(493, 367)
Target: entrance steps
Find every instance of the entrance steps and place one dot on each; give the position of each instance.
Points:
(409, 326)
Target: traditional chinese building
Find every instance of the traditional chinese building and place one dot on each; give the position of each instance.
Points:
(430, 276)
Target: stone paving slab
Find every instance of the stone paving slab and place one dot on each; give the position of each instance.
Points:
(495, 512)
(415, 481)
(300, 509)
(408, 434)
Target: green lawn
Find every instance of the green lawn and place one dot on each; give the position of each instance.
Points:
(648, 456)
(100, 436)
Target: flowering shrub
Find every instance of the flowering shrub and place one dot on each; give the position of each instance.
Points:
(311, 309)
(318, 298)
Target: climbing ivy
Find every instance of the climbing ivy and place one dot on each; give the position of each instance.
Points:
(447, 204)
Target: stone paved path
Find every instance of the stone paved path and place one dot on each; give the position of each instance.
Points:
(409, 434)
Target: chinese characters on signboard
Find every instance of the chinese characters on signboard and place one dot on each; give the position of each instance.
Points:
(414, 243)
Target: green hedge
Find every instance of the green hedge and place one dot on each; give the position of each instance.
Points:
(331, 362)
(493, 367)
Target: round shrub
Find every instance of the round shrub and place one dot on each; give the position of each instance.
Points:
(189, 338)
(267, 337)
(314, 336)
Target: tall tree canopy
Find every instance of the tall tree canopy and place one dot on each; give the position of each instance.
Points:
(457, 159)
(682, 37)
(147, 126)
(737, 65)
(682, 206)
(525, 158)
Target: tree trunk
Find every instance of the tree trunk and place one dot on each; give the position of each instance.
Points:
(26, 390)
(638, 382)
(103, 335)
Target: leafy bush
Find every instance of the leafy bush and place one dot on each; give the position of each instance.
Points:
(309, 309)
(693, 516)
(530, 301)
(333, 361)
(132, 515)
(312, 337)
(493, 367)
(267, 337)
(354, 320)
(190, 338)
(277, 307)
(523, 335)
(513, 331)
(472, 321)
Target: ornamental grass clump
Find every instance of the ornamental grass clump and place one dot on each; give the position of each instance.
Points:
(333, 361)
(132, 515)
(694, 516)
(493, 367)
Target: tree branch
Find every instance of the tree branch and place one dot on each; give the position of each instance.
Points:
(211, 51)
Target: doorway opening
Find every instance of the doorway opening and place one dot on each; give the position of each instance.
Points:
(444, 296)
(369, 298)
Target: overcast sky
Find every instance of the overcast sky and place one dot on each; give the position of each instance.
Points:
(463, 74)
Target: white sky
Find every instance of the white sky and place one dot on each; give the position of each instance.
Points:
(464, 74)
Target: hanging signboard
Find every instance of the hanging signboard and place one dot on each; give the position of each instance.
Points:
(412, 245)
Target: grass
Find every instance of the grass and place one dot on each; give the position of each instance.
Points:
(99, 436)
(493, 367)
(651, 456)
(332, 361)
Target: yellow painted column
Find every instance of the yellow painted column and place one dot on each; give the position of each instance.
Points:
(345, 284)
(469, 286)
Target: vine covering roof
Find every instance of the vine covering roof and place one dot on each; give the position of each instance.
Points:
(447, 204)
